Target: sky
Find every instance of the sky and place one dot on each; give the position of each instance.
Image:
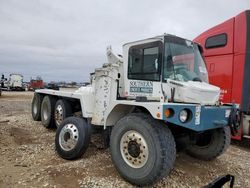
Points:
(64, 40)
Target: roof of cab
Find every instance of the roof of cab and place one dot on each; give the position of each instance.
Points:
(160, 37)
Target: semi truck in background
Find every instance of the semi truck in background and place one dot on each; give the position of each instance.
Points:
(14, 83)
(36, 84)
(226, 49)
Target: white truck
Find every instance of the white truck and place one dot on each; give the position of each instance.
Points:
(155, 94)
(15, 82)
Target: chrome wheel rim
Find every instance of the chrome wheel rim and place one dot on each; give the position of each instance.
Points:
(68, 137)
(134, 149)
(59, 115)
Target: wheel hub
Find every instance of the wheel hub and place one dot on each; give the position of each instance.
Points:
(134, 149)
(59, 115)
(68, 137)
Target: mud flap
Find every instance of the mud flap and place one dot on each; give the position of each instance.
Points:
(221, 181)
(235, 120)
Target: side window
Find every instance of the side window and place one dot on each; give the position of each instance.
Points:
(216, 41)
(144, 62)
(135, 61)
(150, 60)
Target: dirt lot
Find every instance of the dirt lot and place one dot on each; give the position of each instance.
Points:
(28, 157)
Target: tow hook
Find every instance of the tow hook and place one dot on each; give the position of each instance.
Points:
(221, 181)
(234, 120)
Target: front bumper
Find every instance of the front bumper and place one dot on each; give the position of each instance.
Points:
(201, 117)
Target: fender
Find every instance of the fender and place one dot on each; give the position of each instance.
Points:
(120, 108)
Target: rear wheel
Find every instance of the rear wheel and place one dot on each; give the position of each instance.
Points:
(210, 144)
(142, 149)
(63, 109)
(36, 107)
(72, 138)
(47, 111)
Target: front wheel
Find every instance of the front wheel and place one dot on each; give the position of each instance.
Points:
(142, 149)
(210, 144)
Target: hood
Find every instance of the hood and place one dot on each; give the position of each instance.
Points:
(194, 92)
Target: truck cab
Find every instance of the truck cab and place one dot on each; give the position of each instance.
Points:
(226, 49)
(154, 66)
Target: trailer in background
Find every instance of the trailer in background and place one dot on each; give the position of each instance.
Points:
(226, 48)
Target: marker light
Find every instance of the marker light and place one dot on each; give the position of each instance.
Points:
(183, 116)
(167, 113)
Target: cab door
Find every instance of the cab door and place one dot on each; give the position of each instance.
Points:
(217, 44)
(144, 70)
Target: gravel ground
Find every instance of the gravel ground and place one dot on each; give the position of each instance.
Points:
(28, 157)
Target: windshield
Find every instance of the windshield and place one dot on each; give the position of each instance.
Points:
(183, 61)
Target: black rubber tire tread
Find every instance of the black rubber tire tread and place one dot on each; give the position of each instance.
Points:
(37, 99)
(83, 141)
(67, 109)
(159, 138)
(220, 143)
(50, 101)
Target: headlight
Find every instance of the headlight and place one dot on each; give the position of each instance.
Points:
(183, 116)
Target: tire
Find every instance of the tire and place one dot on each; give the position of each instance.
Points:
(72, 126)
(141, 139)
(210, 144)
(36, 107)
(47, 111)
(62, 110)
